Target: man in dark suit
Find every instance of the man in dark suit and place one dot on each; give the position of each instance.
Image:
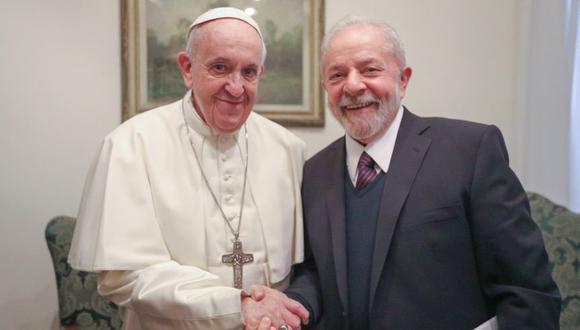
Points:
(412, 223)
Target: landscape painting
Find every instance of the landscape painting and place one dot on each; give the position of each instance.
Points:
(155, 31)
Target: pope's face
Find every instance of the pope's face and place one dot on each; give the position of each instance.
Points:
(224, 72)
(364, 82)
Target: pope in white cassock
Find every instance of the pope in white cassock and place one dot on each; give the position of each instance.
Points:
(188, 203)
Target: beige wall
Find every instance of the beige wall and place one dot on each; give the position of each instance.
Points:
(60, 88)
(60, 83)
(465, 57)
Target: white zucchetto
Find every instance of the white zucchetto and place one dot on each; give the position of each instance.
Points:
(225, 12)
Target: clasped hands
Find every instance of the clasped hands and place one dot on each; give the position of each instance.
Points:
(269, 309)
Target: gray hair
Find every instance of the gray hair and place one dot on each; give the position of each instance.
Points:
(194, 34)
(391, 36)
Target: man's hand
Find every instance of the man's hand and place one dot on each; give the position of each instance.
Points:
(255, 316)
(253, 320)
(269, 309)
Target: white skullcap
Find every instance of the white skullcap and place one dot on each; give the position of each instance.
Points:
(224, 12)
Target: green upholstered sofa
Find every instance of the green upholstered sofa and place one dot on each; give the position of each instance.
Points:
(561, 231)
(80, 306)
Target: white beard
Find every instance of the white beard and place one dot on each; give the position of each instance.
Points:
(365, 126)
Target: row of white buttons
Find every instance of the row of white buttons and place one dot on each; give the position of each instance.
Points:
(226, 158)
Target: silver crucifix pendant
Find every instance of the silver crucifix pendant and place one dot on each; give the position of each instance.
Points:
(237, 259)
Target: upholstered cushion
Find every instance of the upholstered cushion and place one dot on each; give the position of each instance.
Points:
(79, 303)
(561, 231)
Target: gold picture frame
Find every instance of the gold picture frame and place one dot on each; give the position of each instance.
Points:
(153, 31)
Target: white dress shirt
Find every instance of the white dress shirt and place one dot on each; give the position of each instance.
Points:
(380, 150)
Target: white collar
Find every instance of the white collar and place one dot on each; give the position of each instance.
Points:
(380, 150)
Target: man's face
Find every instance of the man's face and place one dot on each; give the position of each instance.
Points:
(224, 73)
(364, 82)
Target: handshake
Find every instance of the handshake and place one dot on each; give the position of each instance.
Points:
(269, 309)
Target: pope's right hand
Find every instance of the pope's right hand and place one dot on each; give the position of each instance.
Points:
(271, 307)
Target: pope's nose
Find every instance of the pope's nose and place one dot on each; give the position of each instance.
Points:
(235, 86)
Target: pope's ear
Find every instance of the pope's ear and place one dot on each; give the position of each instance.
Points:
(185, 67)
(323, 83)
(261, 71)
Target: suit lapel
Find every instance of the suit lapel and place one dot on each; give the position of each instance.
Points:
(410, 149)
(336, 215)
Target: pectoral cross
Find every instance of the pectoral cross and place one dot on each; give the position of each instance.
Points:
(237, 259)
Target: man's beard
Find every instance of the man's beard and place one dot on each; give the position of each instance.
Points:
(361, 127)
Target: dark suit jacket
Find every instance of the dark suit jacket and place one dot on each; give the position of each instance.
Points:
(454, 245)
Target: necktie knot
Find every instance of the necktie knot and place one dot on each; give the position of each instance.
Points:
(366, 170)
(366, 160)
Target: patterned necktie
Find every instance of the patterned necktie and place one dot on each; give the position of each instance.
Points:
(366, 171)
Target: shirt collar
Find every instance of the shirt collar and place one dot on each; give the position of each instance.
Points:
(380, 150)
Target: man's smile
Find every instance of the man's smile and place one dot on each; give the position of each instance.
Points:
(358, 106)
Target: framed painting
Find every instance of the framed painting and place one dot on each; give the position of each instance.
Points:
(154, 31)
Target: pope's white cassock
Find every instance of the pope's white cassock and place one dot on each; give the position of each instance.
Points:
(150, 226)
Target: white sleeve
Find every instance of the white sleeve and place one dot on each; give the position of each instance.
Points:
(172, 296)
(117, 226)
(117, 234)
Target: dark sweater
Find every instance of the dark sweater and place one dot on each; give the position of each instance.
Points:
(362, 208)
